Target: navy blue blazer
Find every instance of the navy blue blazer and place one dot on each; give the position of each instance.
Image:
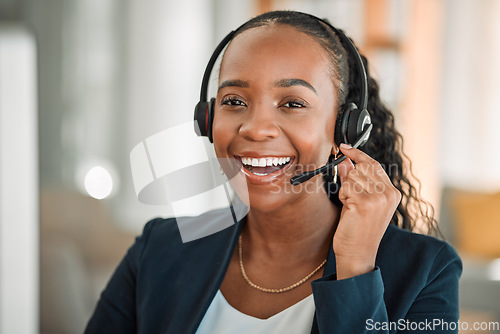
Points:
(165, 286)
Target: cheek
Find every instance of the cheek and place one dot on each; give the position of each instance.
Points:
(312, 152)
(314, 140)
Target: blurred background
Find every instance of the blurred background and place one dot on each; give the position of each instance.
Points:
(84, 81)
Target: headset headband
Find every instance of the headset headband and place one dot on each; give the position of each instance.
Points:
(211, 63)
(344, 40)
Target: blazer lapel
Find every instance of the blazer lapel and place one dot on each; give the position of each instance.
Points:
(213, 255)
(330, 268)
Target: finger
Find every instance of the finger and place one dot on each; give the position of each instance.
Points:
(373, 171)
(356, 186)
(355, 155)
(370, 184)
(343, 168)
(358, 182)
(365, 163)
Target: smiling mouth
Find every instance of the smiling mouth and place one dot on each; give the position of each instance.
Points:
(265, 166)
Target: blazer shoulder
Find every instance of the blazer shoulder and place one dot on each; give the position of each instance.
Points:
(164, 228)
(410, 248)
(408, 241)
(183, 233)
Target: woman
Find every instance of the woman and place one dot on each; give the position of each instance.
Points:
(307, 258)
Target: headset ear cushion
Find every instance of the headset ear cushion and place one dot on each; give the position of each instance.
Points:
(201, 118)
(210, 119)
(342, 123)
(353, 131)
(357, 121)
(204, 118)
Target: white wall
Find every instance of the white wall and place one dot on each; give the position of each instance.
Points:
(470, 135)
(19, 242)
(168, 45)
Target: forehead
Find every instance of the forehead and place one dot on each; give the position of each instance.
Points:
(280, 51)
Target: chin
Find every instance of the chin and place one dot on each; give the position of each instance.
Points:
(269, 200)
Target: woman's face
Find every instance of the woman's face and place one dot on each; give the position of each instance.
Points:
(275, 113)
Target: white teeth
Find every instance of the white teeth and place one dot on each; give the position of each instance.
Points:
(263, 162)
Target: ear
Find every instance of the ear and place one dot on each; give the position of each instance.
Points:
(335, 149)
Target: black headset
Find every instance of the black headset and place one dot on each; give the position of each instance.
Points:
(353, 124)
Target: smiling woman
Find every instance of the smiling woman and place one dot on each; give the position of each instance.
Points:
(330, 255)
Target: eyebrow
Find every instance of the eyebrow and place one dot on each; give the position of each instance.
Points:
(294, 82)
(280, 83)
(234, 83)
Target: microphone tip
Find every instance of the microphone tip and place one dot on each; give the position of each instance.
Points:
(298, 179)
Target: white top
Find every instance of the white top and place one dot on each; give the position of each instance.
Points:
(222, 318)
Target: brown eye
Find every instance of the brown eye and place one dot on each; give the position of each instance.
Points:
(232, 101)
(294, 104)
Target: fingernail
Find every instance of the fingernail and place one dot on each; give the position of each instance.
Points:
(346, 146)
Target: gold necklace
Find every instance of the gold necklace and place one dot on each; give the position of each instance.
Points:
(253, 285)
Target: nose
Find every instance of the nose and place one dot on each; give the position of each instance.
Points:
(259, 125)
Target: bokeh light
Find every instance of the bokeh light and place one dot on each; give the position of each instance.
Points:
(98, 182)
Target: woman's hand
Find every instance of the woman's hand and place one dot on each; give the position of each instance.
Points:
(370, 200)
